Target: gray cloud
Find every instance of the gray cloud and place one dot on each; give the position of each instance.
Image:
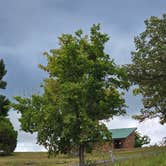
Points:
(28, 28)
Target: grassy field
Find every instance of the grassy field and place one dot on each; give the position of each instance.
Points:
(154, 160)
(153, 156)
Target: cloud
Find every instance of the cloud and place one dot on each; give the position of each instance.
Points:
(29, 147)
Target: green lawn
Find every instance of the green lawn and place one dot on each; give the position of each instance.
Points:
(153, 156)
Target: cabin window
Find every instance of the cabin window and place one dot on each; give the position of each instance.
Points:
(118, 144)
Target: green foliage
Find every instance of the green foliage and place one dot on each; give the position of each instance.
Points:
(81, 90)
(2, 74)
(141, 140)
(4, 103)
(4, 106)
(8, 136)
(148, 69)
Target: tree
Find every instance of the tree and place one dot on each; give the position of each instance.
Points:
(2, 74)
(141, 140)
(8, 136)
(81, 90)
(163, 142)
(148, 69)
(4, 102)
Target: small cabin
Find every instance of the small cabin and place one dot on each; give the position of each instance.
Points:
(123, 137)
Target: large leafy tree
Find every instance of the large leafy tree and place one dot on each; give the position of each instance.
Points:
(8, 136)
(81, 90)
(148, 69)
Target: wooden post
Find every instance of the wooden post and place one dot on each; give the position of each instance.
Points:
(81, 155)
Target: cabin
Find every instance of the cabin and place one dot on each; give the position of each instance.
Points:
(123, 138)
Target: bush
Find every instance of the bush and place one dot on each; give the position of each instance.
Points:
(141, 140)
(8, 137)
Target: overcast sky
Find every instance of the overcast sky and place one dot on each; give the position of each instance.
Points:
(28, 28)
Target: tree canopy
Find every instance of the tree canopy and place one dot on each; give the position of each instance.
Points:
(8, 136)
(82, 89)
(148, 69)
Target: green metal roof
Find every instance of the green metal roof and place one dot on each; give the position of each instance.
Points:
(121, 133)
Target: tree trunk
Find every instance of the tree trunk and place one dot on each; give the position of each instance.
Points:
(81, 155)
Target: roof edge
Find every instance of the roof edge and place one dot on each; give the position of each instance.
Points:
(116, 129)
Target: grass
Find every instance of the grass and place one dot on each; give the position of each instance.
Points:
(158, 160)
(153, 156)
(36, 159)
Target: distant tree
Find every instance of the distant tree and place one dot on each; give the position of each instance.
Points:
(141, 140)
(4, 102)
(148, 69)
(81, 90)
(2, 74)
(163, 142)
(8, 136)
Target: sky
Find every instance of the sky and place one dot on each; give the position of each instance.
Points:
(29, 28)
